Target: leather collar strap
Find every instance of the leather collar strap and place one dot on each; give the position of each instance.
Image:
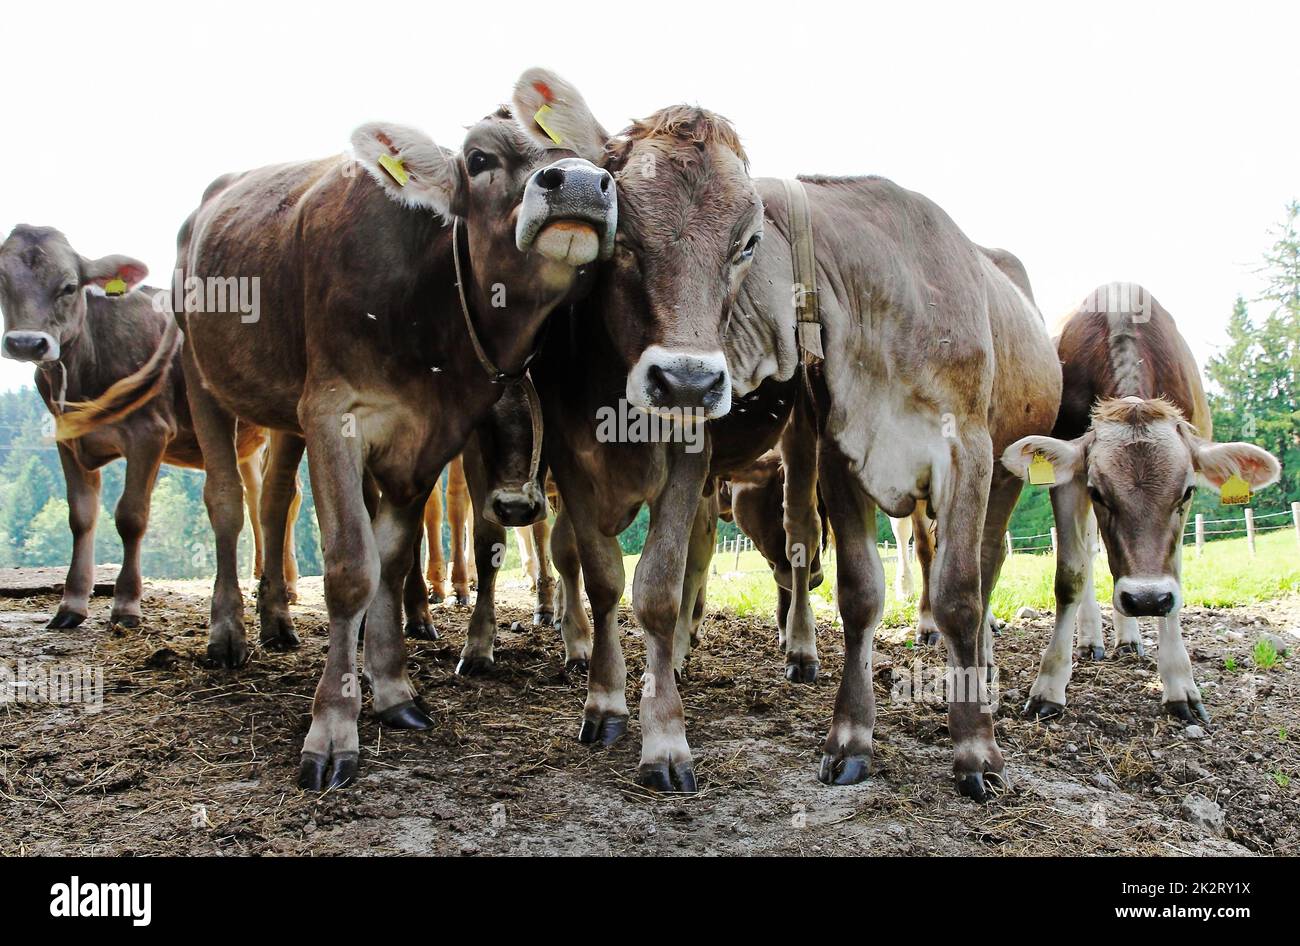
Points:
(495, 375)
(808, 327)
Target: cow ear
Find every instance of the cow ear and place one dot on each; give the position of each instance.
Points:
(114, 275)
(552, 113)
(1066, 456)
(409, 166)
(1215, 462)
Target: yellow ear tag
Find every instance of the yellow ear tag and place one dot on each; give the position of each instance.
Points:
(115, 287)
(395, 168)
(1040, 470)
(540, 118)
(1234, 492)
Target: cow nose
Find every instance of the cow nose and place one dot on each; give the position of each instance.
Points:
(26, 346)
(516, 510)
(686, 387)
(1147, 603)
(550, 178)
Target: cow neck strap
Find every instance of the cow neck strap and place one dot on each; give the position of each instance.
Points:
(495, 375)
(808, 327)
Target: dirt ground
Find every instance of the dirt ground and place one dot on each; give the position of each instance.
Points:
(183, 759)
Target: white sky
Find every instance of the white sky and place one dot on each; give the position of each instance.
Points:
(1098, 142)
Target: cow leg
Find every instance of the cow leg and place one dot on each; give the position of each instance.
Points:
(290, 544)
(540, 533)
(657, 591)
(904, 587)
(527, 557)
(802, 528)
(574, 627)
(1182, 698)
(703, 536)
(437, 566)
(927, 631)
(250, 473)
(860, 593)
(1004, 491)
(1071, 511)
(1091, 639)
(489, 552)
(701, 597)
(962, 501)
(279, 494)
(330, 751)
(223, 494)
(458, 514)
(83, 512)
(143, 458)
(782, 614)
(415, 597)
(396, 532)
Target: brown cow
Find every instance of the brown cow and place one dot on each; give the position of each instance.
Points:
(934, 358)
(371, 349)
(94, 334)
(1132, 440)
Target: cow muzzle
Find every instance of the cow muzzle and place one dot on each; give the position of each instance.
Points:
(665, 381)
(1146, 597)
(516, 507)
(31, 346)
(569, 213)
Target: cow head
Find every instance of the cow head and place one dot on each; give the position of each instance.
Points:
(690, 221)
(43, 286)
(535, 219)
(509, 447)
(1140, 463)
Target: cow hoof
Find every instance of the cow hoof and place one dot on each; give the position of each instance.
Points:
(435, 597)
(422, 630)
(661, 777)
(461, 600)
(928, 638)
(604, 732)
(1189, 711)
(981, 786)
(122, 619)
(1090, 652)
(1130, 649)
(544, 619)
(312, 771)
(291, 594)
(408, 715)
(1039, 708)
(64, 620)
(283, 638)
(577, 665)
(844, 770)
(801, 670)
(474, 666)
(230, 654)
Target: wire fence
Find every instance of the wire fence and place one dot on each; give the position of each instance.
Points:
(1248, 524)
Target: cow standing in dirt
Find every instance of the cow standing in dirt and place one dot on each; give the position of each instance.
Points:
(1131, 442)
(384, 337)
(110, 374)
(934, 358)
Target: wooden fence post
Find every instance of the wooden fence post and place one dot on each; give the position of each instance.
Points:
(1010, 548)
(1250, 529)
(1295, 517)
(737, 568)
(1200, 533)
(1053, 540)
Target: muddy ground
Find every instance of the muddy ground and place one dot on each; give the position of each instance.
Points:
(183, 759)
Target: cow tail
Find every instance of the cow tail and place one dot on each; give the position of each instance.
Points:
(125, 395)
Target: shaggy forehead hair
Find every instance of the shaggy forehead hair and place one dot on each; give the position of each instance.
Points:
(1137, 416)
(687, 194)
(29, 245)
(501, 129)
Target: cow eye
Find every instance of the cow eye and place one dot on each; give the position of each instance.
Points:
(69, 289)
(748, 252)
(1095, 495)
(480, 161)
(1187, 495)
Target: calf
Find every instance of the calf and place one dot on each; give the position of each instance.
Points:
(1131, 442)
(110, 374)
(392, 333)
(935, 361)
